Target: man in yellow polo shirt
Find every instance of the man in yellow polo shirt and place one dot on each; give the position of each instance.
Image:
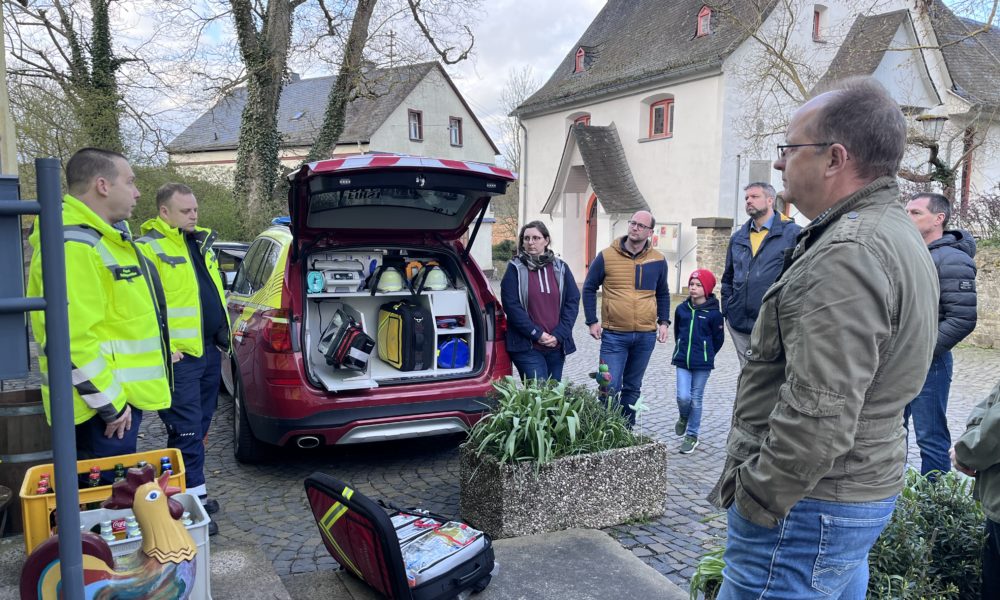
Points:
(753, 263)
(117, 346)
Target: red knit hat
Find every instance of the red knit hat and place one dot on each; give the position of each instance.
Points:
(705, 277)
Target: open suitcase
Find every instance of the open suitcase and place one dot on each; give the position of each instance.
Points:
(371, 543)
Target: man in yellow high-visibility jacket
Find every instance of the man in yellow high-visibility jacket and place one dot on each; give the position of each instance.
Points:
(118, 348)
(198, 324)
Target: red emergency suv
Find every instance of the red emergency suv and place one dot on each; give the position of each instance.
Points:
(373, 246)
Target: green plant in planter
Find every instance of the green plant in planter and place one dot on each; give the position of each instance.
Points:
(931, 546)
(540, 421)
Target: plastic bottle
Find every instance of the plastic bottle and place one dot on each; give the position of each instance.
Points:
(106, 534)
(132, 527)
(119, 472)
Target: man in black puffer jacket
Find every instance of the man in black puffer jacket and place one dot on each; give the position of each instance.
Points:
(953, 253)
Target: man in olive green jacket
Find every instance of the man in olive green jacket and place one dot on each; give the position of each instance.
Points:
(977, 453)
(816, 451)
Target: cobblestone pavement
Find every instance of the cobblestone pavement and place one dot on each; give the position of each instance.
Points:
(265, 504)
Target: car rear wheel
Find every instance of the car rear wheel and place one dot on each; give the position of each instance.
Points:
(246, 447)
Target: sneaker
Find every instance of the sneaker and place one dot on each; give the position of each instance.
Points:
(690, 443)
(680, 427)
(213, 528)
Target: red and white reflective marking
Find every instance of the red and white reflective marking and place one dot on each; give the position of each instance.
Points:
(402, 161)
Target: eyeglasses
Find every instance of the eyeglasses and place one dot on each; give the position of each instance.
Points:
(533, 238)
(638, 225)
(783, 148)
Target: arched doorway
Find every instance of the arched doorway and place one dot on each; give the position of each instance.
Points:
(591, 249)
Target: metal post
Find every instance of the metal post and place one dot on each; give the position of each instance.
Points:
(60, 377)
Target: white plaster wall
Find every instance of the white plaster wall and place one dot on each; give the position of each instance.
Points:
(739, 113)
(902, 72)
(435, 99)
(667, 171)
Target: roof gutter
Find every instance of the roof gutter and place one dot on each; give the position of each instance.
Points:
(523, 195)
(683, 75)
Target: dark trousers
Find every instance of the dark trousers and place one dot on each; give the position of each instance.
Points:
(91, 443)
(991, 562)
(193, 402)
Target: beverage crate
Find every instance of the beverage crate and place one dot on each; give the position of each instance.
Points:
(36, 509)
(122, 549)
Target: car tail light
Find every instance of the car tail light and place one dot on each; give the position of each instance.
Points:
(277, 330)
(500, 323)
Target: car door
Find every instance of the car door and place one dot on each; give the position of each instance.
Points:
(238, 303)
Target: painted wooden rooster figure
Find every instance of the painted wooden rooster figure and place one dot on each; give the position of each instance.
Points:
(163, 569)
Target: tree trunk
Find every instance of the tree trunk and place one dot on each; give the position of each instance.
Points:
(343, 88)
(265, 54)
(102, 102)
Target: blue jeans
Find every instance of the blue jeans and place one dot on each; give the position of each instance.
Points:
(627, 354)
(690, 389)
(193, 402)
(929, 419)
(820, 550)
(535, 364)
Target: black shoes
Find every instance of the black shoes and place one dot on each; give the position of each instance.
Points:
(211, 506)
(213, 528)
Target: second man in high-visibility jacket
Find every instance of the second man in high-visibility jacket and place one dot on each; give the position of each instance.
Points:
(197, 322)
(117, 345)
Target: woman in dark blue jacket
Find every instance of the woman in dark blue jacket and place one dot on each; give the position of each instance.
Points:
(699, 331)
(541, 300)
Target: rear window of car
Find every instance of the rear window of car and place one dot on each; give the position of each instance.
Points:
(437, 201)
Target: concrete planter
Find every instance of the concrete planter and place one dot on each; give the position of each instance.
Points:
(590, 491)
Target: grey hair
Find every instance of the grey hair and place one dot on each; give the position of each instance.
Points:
(862, 116)
(766, 187)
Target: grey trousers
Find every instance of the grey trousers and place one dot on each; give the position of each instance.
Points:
(741, 341)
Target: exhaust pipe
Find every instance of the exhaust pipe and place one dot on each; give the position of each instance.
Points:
(307, 441)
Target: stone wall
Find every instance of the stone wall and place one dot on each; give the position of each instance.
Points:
(713, 240)
(987, 333)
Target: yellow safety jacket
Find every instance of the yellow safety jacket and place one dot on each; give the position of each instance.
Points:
(166, 247)
(117, 346)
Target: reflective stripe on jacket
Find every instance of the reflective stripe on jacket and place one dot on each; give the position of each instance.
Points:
(117, 347)
(166, 247)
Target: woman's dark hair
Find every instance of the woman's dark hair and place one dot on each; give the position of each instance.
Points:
(532, 225)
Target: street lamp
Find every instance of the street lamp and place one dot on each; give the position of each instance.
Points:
(933, 124)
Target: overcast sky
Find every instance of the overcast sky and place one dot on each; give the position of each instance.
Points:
(515, 33)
